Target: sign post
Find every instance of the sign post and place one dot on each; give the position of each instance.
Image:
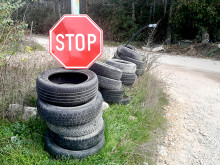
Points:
(76, 41)
(75, 7)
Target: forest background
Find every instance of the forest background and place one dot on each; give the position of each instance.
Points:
(178, 19)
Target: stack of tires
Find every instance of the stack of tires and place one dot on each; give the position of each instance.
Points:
(69, 101)
(129, 54)
(128, 70)
(110, 84)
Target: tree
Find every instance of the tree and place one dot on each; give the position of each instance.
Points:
(195, 16)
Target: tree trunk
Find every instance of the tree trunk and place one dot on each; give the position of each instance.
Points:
(59, 8)
(133, 11)
(153, 9)
(54, 7)
(83, 6)
(169, 31)
(165, 7)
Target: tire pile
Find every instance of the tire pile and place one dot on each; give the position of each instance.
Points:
(128, 70)
(70, 103)
(129, 54)
(110, 84)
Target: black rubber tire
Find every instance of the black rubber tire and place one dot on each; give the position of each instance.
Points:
(117, 92)
(125, 100)
(124, 66)
(79, 143)
(112, 99)
(130, 47)
(139, 72)
(116, 56)
(140, 64)
(58, 152)
(108, 83)
(124, 51)
(128, 78)
(63, 87)
(106, 70)
(67, 101)
(77, 131)
(70, 116)
(112, 96)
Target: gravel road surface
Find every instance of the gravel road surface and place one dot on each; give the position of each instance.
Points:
(193, 136)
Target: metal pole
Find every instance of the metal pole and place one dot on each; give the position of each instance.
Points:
(75, 7)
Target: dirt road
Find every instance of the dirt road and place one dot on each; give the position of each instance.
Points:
(193, 85)
(193, 136)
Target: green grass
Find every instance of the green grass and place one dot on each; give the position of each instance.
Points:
(123, 136)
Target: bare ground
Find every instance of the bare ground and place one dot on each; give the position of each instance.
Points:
(193, 114)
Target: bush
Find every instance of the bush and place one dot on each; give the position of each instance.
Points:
(43, 18)
(194, 17)
(11, 31)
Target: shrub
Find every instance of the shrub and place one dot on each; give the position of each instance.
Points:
(196, 16)
(11, 32)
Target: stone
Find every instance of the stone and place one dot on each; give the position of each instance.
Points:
(29, 112)
(132, 118)
(162, 151)
(104, 106)
(14, 110)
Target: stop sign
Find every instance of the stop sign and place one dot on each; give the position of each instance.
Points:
(76, 41)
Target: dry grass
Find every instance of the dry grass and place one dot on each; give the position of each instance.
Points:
(18, 75)
(19, 72)
(148, 94)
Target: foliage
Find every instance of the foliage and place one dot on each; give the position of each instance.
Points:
(117, 21)
(115, 18)
(11, 31)
(43, 18)
(193, 16)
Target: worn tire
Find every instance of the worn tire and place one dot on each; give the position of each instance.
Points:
(140, 64)
(58, 152)
(139, 72)
(77, 131)
(112, 96)
(106, 70)
(63, 87)
(128, 78)
(124, 51)
(70, 116)
(116, 56)
(125, 100)
(79, 143)
(130, 47)
(108, 83)
(124, 66)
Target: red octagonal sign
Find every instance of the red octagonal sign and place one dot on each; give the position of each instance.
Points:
(76, 41)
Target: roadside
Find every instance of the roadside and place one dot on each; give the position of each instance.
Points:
(193, 86)
(201, 50)
(129, 129)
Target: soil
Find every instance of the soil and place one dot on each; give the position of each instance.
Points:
(202, 50)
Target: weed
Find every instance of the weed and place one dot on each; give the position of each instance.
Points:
(18, 78)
